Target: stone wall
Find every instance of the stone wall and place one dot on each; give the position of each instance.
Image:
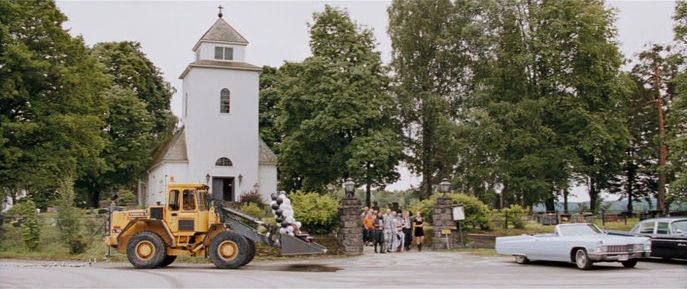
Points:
(443, 219)
(351, 226)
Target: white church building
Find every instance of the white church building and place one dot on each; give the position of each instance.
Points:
(218, 143)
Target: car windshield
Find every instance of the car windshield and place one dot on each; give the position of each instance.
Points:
(679, 225)
(579, 230)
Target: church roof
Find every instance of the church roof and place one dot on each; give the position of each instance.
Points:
(173, 150)
(221, 31)
(266, 157)
(205, 63)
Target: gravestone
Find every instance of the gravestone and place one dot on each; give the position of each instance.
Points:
(351, 226)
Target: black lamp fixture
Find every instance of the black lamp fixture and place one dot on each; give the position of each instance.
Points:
(207, 179)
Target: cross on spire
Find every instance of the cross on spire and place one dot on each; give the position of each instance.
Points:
(220, 11)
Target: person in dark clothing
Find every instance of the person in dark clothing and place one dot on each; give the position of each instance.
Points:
(379, 233)
(419, 234)
(407, 230)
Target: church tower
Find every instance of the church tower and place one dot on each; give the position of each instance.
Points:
(219, 143)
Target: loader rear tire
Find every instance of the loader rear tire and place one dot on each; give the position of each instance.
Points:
(167, 261)
(229, 250)
(146, 250)
(251, 252)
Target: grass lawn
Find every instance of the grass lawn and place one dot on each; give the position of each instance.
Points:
(476, 251)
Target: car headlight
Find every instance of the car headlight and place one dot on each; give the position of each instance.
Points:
(599, 247)
(647, 246)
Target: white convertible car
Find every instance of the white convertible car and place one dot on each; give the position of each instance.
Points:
(582, 244)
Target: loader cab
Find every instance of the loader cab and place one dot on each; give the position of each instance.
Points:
(187, 209)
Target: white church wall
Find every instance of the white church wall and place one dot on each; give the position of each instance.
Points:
(160, 176)
(212, 134)
(268, 180)
(206, 50)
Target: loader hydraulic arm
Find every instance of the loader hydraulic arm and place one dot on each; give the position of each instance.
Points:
(268, 234)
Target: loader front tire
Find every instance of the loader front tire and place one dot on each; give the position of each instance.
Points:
(229, 250)
(251, 251)
(146, 250)
(167, 261)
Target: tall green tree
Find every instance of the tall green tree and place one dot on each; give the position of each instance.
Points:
(639, 169)
(530, 88)
(51, 98)
(433, 47)
(658, 71)
(335, 110)
(677, 119)
(138, 119)
(269, 100)
(130, 135)
(131, 69)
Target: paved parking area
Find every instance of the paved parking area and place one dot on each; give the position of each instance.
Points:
(407, 270)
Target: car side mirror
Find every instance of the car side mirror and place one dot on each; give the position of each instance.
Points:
(679, 232)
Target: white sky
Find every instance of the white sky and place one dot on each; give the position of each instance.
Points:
(277, 32)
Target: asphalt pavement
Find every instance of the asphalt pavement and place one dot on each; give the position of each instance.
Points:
(400, 270)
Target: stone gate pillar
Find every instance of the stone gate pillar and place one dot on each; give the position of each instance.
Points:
(443, 219)
(351, 226)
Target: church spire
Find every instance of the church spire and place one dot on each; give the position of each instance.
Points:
(220, 11)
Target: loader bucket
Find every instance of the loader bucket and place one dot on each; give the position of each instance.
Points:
(291, 245)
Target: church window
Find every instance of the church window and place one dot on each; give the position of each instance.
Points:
(224, 162)
(225, 101)
(219, 52)
(224, 53)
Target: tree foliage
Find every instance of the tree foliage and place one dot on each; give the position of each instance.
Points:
(269, 111)
(432, 45)
(524, 91)
(677, 119)
(335, 113)
(51, 98)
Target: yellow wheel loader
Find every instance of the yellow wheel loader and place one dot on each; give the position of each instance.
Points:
(192, 224)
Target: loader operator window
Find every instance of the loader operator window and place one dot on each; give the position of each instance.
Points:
(189, 200)
(174, 200)
(202, 205)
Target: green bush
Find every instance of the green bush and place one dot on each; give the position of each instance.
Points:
(68, 218)
(516, 214)
(317, 213)
(476, 212)
(29, 222)
(425, 207)
(126, 197)
(253, 210)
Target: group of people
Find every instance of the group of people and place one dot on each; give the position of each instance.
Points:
(389, 231)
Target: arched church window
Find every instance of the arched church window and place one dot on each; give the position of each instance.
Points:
(225, 101)
(224, 162)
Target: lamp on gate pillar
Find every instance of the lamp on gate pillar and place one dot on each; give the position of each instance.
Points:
(349, 187)
(207, 179)
(498, 188)
(444, 186)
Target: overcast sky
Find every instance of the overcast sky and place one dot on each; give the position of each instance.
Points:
(277, 31)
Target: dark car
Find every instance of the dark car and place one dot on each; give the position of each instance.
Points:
(668, 236)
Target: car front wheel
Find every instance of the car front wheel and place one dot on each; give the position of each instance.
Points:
(520, 259)
(582, 259)
(629, 263)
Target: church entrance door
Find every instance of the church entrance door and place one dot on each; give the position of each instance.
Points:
(223, 188)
